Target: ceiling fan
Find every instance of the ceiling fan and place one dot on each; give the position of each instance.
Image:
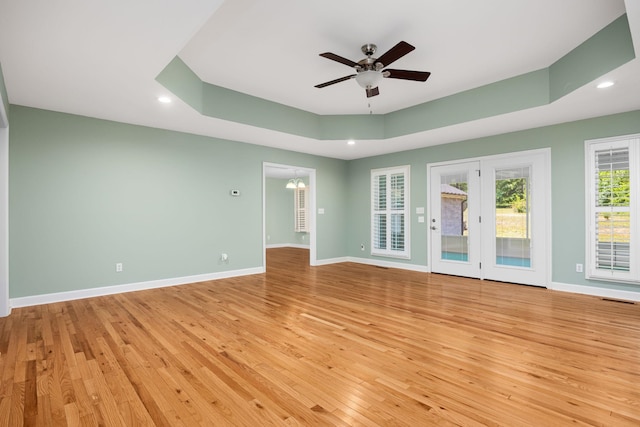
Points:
(370, 70)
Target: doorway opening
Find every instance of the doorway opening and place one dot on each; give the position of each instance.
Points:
(288, 208)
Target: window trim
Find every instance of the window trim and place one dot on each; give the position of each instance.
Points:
(591, 147)
(388, 252)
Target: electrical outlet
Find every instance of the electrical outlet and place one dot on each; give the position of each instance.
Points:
(118, 267)
(579, 268)
(224, 258)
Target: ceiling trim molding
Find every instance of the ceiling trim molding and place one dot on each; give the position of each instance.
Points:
(605, 51)
(4, 102)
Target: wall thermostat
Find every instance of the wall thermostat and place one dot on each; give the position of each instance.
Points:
(234, 193)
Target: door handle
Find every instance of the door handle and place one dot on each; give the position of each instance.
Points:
(433, 227)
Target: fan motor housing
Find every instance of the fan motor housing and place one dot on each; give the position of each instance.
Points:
(369, 49)
(369, 63)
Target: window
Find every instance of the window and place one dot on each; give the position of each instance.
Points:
(613, 205)
(301, 206)
(390, 212)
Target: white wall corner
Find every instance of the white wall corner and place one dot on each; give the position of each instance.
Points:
(5, 306)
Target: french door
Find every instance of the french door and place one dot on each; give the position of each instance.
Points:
(489, 218)
(454, 219)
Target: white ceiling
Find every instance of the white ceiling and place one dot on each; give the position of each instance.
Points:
(100, 59)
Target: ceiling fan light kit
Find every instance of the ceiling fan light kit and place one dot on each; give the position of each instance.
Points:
(370, 70)
(368, 78)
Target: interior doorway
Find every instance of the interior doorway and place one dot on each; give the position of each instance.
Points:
(283, 176)
(489, 218)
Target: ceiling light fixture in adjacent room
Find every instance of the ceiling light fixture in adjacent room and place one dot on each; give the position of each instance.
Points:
(291, 184)
(296, 182)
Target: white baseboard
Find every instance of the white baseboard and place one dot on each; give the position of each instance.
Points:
(153, 284)
(390, 264)
(288, 245)
(331, 261)
(596, 291)
(130, 287)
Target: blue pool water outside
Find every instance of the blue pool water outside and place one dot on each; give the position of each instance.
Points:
(500, 260)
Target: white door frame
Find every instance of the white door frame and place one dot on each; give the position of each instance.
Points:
(312, 210)
(544, 181)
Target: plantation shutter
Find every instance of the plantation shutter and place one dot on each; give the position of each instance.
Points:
(301, 209)
(379, 213)
(389, 211)
(612, 209)
(397, 212)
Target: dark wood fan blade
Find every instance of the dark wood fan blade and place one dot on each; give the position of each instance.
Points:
(339, 59)
(372, 92)
(420, 76)
(332, 82)
(395, 53)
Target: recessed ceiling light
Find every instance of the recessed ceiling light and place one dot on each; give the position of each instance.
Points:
(605, 84)
(351, 142)
(164, 99)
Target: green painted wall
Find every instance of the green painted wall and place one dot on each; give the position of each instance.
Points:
(87, 193)
(279, 214)
(567, 173)
(517, 93)
(606, 50)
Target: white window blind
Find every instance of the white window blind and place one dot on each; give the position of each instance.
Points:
(390, 211)
(301, 206)
(612, 209)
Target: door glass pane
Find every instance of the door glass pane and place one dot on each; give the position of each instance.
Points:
(513, 219)
(454, 216)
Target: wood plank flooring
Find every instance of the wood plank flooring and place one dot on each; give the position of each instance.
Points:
(342, 344)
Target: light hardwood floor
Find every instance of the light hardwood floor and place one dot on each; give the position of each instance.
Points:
(343, 344)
